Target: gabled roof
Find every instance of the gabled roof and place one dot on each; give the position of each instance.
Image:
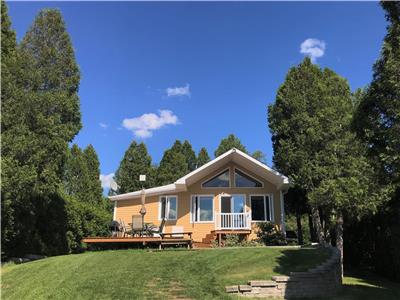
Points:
(235, 155)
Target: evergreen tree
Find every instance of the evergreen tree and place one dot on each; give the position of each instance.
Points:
(377, 120)
(226, 144)
(313, 144)
(135, 162)
(40, 115)
(95, 191)
(189, 154)
(173, 165)
(202, 157)
(259, 156)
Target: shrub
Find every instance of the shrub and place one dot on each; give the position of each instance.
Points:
(270, 235)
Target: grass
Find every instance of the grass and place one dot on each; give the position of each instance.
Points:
(367, 286)
(143, 274)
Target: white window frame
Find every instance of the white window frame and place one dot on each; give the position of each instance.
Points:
(192, 197)
(246, 187)
(216, 174)
(232, 204)
(270, 206)
(167, 205)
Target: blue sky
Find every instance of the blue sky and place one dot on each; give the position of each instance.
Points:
(156, 72)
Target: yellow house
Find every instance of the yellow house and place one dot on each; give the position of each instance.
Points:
(229, 194)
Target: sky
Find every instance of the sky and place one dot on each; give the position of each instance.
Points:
(156, 72)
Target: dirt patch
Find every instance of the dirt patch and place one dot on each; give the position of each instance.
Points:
(157, 289)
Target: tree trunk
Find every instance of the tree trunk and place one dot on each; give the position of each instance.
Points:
(313, 235)
(339, 236)
(317, 225)
(299, 228)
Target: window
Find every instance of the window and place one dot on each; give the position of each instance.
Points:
(221, 180)
(244, 180)
(203, 208)
(168, 207)
(261, 209)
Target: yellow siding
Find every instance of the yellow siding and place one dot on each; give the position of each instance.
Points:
(124, 209)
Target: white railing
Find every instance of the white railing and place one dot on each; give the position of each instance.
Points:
(232, 221)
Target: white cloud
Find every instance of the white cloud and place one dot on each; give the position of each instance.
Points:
(103, 125)
(314, 48)
(144, 125)
(106, 180)
(178, 91)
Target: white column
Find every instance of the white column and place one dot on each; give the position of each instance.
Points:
(115, 210)
(283, 226)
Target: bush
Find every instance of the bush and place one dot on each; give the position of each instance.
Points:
(270, 235)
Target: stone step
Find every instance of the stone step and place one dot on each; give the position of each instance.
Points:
(262, 283)
(232, 289)
(244, 288)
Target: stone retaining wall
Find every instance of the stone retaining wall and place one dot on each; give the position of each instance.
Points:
(323, 280)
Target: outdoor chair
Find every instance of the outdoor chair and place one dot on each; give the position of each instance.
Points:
(125, 230)
(137, 225)
(158, 231)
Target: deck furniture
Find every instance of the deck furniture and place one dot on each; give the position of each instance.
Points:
(124, 229)
(137, 225)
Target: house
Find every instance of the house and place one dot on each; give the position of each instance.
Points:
(229, 194)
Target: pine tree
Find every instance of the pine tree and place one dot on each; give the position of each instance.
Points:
(189, 154)
(95, 191)
(377, 120)
(259, 156)
(202, 157)
(226, 144)
(135, 162)
(313, 144)
(173, 165)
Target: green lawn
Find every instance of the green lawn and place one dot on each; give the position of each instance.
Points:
(144, 274)
(178, 274)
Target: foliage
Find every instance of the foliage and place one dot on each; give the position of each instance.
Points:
(269, 235)
(202, 157)
(226, 144)
(377, 118)
(136, 161)
(174, 274)
(189, 154)
(173, 165)
(259, 155)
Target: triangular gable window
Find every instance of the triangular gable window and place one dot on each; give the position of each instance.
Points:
(221, 180)
(244, 180)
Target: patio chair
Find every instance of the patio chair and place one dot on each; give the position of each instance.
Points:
(158, 231)
(124, 229)
(137, 225)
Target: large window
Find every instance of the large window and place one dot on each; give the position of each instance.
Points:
(168, 207)
(221, 180)
(202, 208)
(244, 180)
(261, 208)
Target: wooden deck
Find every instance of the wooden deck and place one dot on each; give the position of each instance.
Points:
(168, 239)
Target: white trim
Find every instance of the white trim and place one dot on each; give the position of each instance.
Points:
(283, 225)
(115, 211)
(245, 187)
(149, 192)
(167, 207)
(272, 207)
(191, 209)
(231, 196)
(215, 175)
(265, 207)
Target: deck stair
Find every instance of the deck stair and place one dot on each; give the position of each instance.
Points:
(209, 238)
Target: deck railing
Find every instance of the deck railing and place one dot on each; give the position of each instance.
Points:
(232, 221)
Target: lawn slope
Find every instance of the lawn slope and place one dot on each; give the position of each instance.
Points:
(143, 274)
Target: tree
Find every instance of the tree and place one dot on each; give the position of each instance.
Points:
(313, 144)
(202, 157)
(189, 154)
(136, 161)
(95, 191)
(40, 116)
(377, 124)
(173, 165)
(377, 119)
(226, 144)
(259, 156)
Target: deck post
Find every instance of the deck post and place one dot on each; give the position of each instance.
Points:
(219, 240)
